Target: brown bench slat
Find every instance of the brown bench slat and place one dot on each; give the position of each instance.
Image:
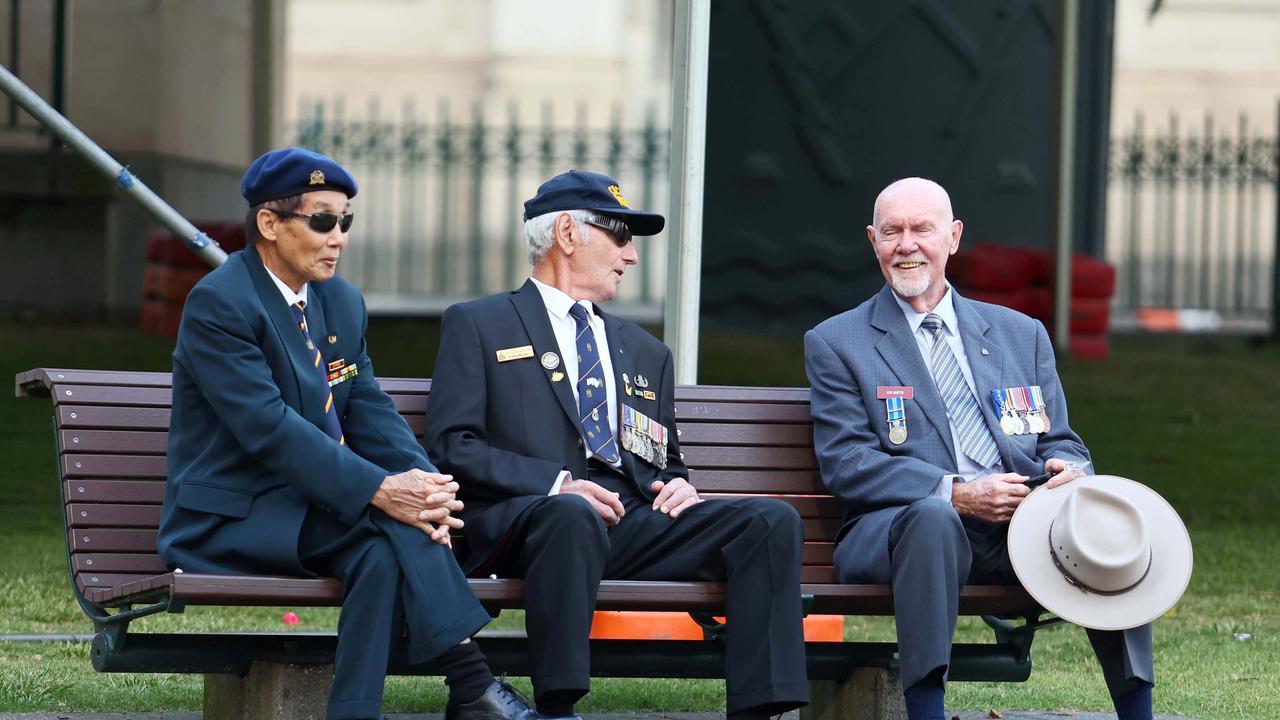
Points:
(28, 381)
(76, 465)
(688, 412)
(822, 529)
(121, 491)
(817, 553)
(817, 574)
(111, 540)
(91, 579)
(792, 482)
(114, 441)
(711, 433)
(112, 395)
(806, 505)
(149, 563)
(736, 393)
(751, 458)
(114, 516)
(836, 599)
(112, 418)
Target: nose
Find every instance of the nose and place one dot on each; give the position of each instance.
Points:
(907, 243)
(629, 255)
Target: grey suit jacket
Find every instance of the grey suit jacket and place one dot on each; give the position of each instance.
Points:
(849, 356)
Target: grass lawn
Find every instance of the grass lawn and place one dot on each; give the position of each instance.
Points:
(1194, 418)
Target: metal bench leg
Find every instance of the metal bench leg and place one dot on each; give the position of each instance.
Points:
(869, 693)
(270, 690)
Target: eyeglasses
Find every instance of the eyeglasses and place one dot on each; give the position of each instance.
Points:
(617, 228)
(321, 222)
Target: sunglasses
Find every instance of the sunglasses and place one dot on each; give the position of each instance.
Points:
(321, 222)
(612, 225)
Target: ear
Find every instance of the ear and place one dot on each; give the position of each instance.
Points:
(268, 224)
(871, 235)
(562, 234)
(957, 229)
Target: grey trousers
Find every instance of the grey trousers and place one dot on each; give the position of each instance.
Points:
(932, 555)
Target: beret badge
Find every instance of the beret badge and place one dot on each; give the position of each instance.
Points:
(317, 177)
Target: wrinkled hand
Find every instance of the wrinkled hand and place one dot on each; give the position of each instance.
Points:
(605, 502)
(992, 498)
(424, 500)
(674, 497)
(1064, 471)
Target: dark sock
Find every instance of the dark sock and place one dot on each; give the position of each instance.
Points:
(558, 703)
(465, 672)
(1135, 704)
(924, 700)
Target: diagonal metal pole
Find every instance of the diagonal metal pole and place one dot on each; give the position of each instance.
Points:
(64, 130)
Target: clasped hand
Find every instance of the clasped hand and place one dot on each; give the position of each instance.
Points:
(422, 499)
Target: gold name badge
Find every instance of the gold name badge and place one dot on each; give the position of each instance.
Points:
(515, 353)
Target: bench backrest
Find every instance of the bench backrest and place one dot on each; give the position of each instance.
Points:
(112, 430)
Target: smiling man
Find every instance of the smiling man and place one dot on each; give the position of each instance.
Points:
(558, 421)
(287, 458)
(930, 412)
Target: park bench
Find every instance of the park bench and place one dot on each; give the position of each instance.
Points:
(111, 432)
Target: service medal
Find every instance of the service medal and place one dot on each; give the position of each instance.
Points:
(898, 434)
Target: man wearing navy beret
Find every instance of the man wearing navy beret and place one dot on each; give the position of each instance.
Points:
(287, 458)
(558, 421)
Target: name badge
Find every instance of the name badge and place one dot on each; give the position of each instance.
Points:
(884, 392)
(515, 353)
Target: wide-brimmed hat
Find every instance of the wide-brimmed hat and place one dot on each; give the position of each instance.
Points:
(1103, 552)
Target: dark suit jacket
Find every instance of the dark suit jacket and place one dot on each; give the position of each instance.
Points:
(850, 355)
(247, 450)
(505, 430)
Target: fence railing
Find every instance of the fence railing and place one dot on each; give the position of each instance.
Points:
(438, 212)
(1192, 217)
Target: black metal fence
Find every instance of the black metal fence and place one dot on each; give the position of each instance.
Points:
(438, 213)
(1192, 217)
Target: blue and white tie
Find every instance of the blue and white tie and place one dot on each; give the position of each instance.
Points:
(962, 408)
(593, 398)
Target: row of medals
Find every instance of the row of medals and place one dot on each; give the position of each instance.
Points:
(1022, 422)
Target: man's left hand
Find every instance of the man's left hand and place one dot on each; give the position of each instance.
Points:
(674, 497)
(1064, 471)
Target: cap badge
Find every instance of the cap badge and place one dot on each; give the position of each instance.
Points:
(616, 192)
(317, 177)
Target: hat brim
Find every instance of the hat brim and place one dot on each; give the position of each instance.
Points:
(1166, 580)
(641, 223)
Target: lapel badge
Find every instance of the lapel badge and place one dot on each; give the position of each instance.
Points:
(557, 376)
(333, 339)
(515, 353)
(648, 395)
(337, 364)
(642, 381)
(984, 352)
(626, 384)
(550, 360)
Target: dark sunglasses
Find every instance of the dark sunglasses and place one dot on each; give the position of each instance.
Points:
(612, 225)
(321, 222)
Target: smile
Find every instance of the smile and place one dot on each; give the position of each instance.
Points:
(909, 265)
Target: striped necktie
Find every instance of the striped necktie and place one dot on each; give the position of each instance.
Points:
(331, 425)
(975, 437)
(593, 413)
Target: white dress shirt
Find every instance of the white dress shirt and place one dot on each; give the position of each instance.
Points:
(290, 297)
(565, 329)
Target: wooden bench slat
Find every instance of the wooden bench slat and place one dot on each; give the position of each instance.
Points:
(112, 395)
(124, 491)
(749, 458)
(111, 540)
(756, 482)
(115, 441)
(807, 505)
(76, 465)
(92, 579)
(113, 516)
(773, 435)
(111, 418)
(149, 563)
(691, 412)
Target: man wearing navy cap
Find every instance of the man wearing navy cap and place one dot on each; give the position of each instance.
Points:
(558, 422)
(286, 457)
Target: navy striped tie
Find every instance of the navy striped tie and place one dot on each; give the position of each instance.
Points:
(593, 411)
(331, 425)
(975, 437)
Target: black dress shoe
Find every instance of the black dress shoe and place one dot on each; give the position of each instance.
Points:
(500, 701)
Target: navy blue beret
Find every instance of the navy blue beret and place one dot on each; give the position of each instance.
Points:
(581, 190)
(293, 171)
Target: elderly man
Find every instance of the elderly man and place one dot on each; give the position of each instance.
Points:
(558, 421)
(285, 456)
(909, 393)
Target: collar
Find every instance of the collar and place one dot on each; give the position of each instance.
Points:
(945, 309)
(290, 297)
(557, 302)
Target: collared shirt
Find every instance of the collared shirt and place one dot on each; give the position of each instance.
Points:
(290, 297)
(565, 329)
(966, 468)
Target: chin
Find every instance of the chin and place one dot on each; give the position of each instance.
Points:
(909, 288)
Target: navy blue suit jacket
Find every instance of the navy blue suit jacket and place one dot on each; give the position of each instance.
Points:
(505, 430)
(247, 450)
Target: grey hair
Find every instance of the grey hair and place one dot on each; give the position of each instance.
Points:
(539, 235)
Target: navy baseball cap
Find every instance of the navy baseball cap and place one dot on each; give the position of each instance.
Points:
(293, 171)
(582, 190)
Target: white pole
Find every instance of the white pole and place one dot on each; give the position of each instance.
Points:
(1068, 56)
(688, 153)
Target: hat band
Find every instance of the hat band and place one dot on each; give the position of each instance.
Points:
(1072, 579)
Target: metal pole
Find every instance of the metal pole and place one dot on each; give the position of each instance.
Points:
(1068, 52)
(200, 243)
(688, 150)
(1275, 257)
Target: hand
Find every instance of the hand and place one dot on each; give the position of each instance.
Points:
(606, 503)
(424, 500)
(674, 497)
(1064, 471)
(992, 498)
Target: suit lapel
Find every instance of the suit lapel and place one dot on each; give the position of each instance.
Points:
(986, 362)
(621, 360)
(285, 328)
(901, 353)
(533, 314)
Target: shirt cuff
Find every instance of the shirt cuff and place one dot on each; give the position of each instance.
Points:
(564, 475)
(944, 486)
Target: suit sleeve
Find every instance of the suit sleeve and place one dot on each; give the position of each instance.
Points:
(1061, 441)
(372, 425)
(854, 468)
(226, 362)
(667, 403)
(457, 437)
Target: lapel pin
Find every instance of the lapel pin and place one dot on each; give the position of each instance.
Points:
(333, 339)
(557, 376)
(550, 360)
(984, 352)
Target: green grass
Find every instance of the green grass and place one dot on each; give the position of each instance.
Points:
(1194, 418)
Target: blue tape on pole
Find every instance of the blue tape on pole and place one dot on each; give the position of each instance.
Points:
(200, 240)
(125, 178)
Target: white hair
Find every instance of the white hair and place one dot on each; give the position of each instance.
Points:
(539, 231)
